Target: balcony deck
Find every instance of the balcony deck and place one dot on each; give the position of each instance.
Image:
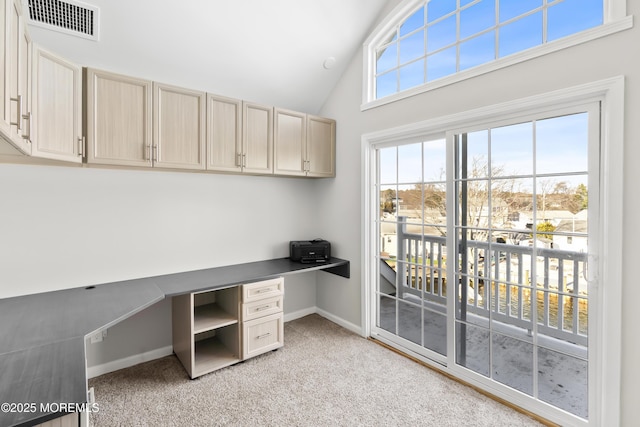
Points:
(505, 285)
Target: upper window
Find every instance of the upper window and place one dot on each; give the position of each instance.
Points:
(428, 40)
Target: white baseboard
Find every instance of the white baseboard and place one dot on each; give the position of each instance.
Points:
(288, 317)
(340, 321)
(126, 362)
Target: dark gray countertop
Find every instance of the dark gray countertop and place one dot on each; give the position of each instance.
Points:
(42, 344)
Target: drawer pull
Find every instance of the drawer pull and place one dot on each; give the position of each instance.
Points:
(262, 291)
(259, 337)
(264, 307)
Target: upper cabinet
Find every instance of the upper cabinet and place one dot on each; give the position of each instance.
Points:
(290, 137)
(257, 138)
(224, 134)
(321, 147)
(57, 108)
(119, 119)
(179, 127)
(304, 145)
(16, 113)
(53, 109)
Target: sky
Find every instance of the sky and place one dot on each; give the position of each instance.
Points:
(555, 147)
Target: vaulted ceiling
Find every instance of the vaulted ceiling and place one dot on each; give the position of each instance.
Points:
(267, 51)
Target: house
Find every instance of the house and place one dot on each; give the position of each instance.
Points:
(70, 226)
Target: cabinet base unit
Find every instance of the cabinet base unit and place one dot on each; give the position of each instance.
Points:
(262, 335)
(217, 328)
(216, 352)
(262, 317)
(206, 332)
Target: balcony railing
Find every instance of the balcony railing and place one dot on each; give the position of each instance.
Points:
(505, 283)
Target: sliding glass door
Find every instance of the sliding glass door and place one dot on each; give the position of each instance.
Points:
(483, 241)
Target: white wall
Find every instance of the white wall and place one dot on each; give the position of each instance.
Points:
(600, 59)
(65, 227)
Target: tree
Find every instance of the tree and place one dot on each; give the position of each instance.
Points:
(545, 227)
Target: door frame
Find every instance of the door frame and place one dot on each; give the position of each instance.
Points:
(605, 348)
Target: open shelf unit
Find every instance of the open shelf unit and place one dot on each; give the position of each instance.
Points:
(206, 332)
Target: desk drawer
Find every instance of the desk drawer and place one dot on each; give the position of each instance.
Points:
(261, 308)
(262, 335)
(261, 290)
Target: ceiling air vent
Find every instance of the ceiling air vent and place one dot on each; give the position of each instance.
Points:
(67, 16)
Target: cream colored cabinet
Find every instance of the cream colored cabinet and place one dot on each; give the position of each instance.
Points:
(304, 145)
(206, 334)
(262, 317)
(257, 139)
(17, 78)
(70, 420)
(57, 108)
(290, 139)
(321, 147)
(5, 33)
(118, 119)
(179, 127)
(224, 134)
(217, 328)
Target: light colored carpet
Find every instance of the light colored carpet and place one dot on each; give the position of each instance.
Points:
(323, 376)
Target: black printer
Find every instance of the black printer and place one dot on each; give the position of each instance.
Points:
(309, 251)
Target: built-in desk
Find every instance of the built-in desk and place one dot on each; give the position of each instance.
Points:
(42, 343)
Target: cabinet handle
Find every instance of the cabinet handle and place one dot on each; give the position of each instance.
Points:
(264, 307)
(81, 142)
(259, 337)
(154, 153)
(27, 117)
(19, 114)
(263, 290)
(244, 160)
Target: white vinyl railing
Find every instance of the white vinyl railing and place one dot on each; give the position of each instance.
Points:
(505, 283)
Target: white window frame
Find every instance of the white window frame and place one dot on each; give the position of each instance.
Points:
(605, 333)
(615, 19)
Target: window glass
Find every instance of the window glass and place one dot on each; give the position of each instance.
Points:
(412, 75)
(455, 35)
(439, 8)
(414, 22)
(521, 34)
(387, 84)
(509, 9)
(387, 58)
(410, 163)
(562, 138)
(441, 64)
(441, 34)
(479, 17)
(572, 16)
(477, 50)
(412, 47)
(512, 150)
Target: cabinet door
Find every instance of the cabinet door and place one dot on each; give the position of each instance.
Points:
(17, 78)
(289, 142)
(179, 127)
(119, 119)
(321, 147)
(57, 108)
(5, 33)
(257, 138)
(224, 134)
(262, 335)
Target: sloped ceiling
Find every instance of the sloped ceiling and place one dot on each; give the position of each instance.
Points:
(266, 51)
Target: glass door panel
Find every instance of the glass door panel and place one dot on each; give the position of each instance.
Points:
(521, 250)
